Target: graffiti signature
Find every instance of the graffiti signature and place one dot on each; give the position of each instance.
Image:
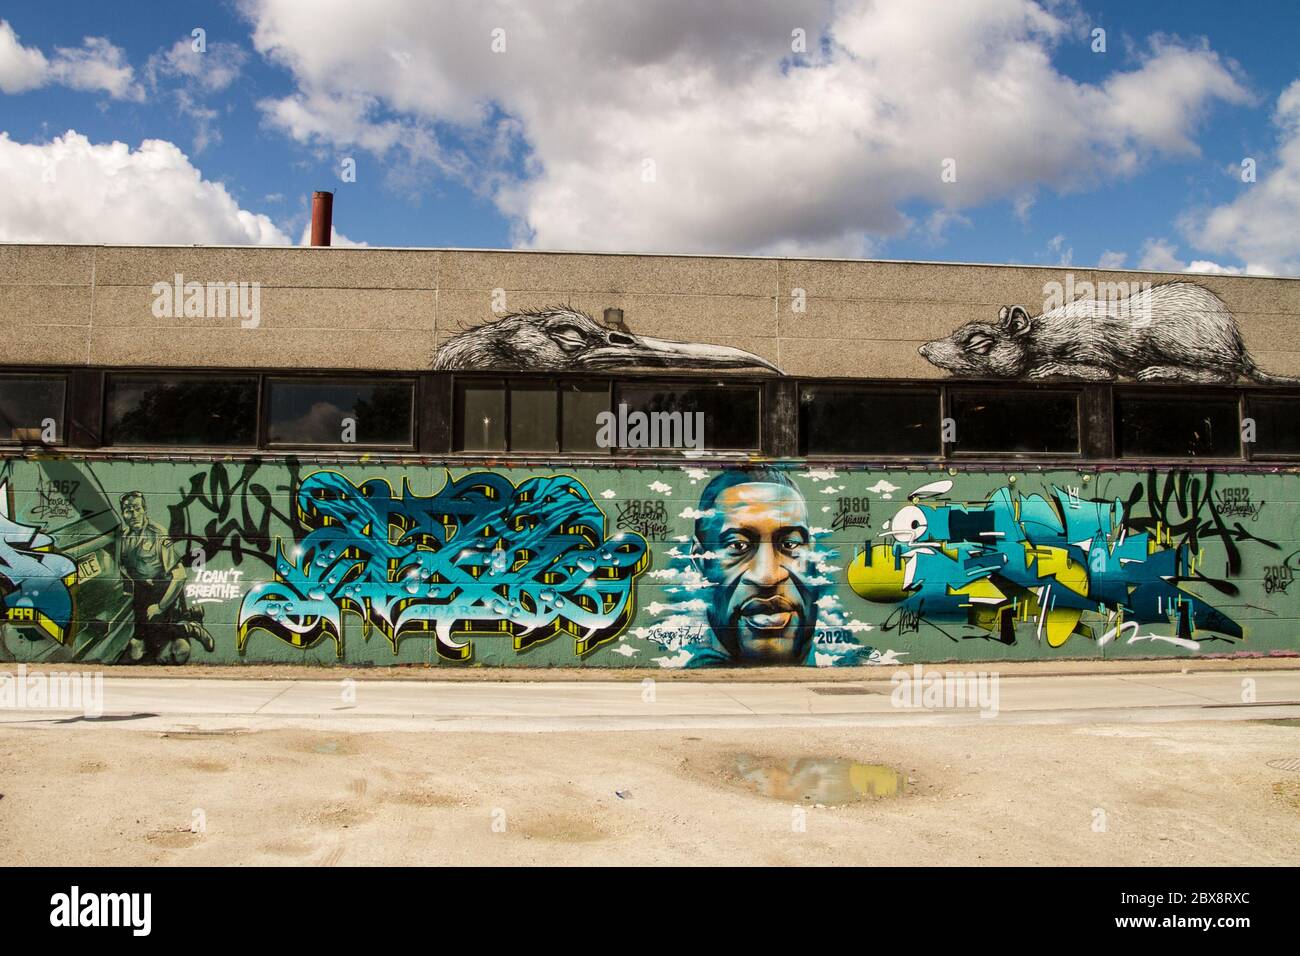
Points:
(54, 499)
(646, 517)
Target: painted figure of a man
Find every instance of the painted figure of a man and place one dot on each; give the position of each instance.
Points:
(154, 581)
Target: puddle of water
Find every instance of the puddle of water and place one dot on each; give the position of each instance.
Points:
(329, 747)
(819, 780)
(1280, 722)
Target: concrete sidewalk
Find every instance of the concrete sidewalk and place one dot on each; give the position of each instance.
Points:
(195, 705)
(718, 675)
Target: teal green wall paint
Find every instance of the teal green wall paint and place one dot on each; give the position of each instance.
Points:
(282, 560)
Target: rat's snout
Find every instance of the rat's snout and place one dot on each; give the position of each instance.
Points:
(926, 349)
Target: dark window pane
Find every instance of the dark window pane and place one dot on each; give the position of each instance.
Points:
(1024, 421)
(313, 413)
(842, 420)
(1277, 426)
(25, 405)
(481, 417)
(171, 410)
(580, 404)
(532, 418)
(728, 414)
(1177, 427)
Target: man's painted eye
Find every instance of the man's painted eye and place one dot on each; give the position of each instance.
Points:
(736, 546)
(791, 544)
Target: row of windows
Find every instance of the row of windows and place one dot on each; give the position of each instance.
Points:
(218, 411)
(846, 420)
(498, 415)
(558, 416)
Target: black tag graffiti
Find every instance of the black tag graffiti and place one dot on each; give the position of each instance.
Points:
(239, 512)
(1278, 577)
(54, 498)
(1184, 505)
(853, 513)
(1235, 502)
(646, 516)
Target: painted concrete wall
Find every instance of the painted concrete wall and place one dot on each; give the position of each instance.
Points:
(229, 561)
(93, 305)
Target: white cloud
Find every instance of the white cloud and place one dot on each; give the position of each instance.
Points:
(1112, 260)
(1057, 247)
(1160, 255)
(754, 148)
(1205, 265)
(199, 74)
(336, 239)
(96, 66)
(212, 70)
(72, 190)
(1259, 227)
(21, 68)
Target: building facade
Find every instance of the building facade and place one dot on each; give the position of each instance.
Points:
(223, 455)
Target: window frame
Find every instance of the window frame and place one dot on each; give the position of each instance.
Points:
(953, 450)
(1248, 448)
(685, 381)
(269, 380)
(106, 436)
(560, 384)
(61, 428)
(1177, 392)
(935, 389)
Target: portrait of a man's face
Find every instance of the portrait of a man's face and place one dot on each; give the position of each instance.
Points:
(134, 514)
(755, 552)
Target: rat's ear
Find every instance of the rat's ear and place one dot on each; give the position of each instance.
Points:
(1015, 320)
(1002, 315)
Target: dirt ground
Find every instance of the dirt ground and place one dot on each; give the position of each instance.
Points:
(1184, 793)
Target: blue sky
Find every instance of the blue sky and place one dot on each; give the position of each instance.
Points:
(540, 144)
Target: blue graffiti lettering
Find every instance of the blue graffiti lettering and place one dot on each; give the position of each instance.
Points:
(481, 557)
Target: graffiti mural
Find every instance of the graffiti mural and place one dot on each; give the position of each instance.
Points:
(752, 585)
(563, 339)
(1046, 560)
(479, 558)
(1176, 331)
(35, 579)
(154, 580)
(655, 566)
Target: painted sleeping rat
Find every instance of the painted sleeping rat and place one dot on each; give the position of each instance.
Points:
(1178, 331)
